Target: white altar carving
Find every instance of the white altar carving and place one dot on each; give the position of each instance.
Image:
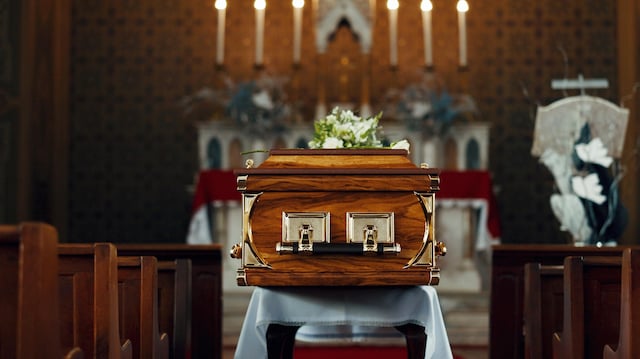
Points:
(469, 142)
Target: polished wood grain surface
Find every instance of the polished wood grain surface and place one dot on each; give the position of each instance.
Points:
(29, 293)
(344, 158)
(89, 313)
(204, 335)
(506, 339)
(138, 307)
(340, 182)
(591, 306)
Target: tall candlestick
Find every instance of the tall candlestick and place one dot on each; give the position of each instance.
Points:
(426, 6)
(393, 5)
(221, 5)
(462, 7)
(260, 6)
(297, 28)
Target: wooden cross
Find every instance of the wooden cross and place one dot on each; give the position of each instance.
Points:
(579, 83)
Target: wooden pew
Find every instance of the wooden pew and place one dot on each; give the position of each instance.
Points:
(543, 308)
(506, 338)
(174, 305)
(628, 346)
(138, 307)
(88, 287)
(591, 317)
(29, 293)
(206, 281)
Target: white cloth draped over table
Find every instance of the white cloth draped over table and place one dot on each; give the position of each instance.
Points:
(356, 313)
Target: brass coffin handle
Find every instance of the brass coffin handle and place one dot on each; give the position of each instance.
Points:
(236, 251)
(339, 248)
(369, 246)
(441, 249)
(305, 244)
(370, 239)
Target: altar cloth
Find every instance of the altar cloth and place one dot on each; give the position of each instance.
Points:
(355, 314)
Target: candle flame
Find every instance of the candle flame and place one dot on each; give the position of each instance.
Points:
(260, 4)
(221, 4)
(392, 4)
(462, 6)
(426, 5)
(298, 4)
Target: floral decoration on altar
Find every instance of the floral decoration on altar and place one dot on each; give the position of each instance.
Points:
(427, 107)
(257, 106)
(344, 129)
(260, 105)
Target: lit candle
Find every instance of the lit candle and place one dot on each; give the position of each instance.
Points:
(426, 6)
(462, 7)
(297, 28)
(260, 6)
(393, 5)
(221, 5)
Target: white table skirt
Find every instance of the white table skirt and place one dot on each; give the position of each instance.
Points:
(354, 313)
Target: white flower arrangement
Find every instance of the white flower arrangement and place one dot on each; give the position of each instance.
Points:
(588, 204)
(258, 106)
(344, 129)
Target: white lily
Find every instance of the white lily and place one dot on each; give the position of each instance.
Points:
(401, 145)
(594, 152)
(569, 210)
(262, 100)
(588, 187)
(420, 109)
(332, 142)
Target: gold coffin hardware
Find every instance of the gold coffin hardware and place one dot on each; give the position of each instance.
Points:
(304, 244)
(427, 253)
(370, 239)
(441, 249)
(302, 230)
(375, 234)
(236, 251)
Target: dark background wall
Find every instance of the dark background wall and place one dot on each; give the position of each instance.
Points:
(92, 138)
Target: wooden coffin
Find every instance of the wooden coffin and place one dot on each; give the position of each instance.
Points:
(338, 218)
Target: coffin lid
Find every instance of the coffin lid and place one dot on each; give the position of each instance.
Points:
(338, 162)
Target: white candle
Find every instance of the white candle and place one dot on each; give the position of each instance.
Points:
(462, 7)
(393, 5)
(221, 5)
(297, 28)
(426, 6)
(260, 6)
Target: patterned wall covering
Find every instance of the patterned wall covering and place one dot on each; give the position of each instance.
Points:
(133, 153)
